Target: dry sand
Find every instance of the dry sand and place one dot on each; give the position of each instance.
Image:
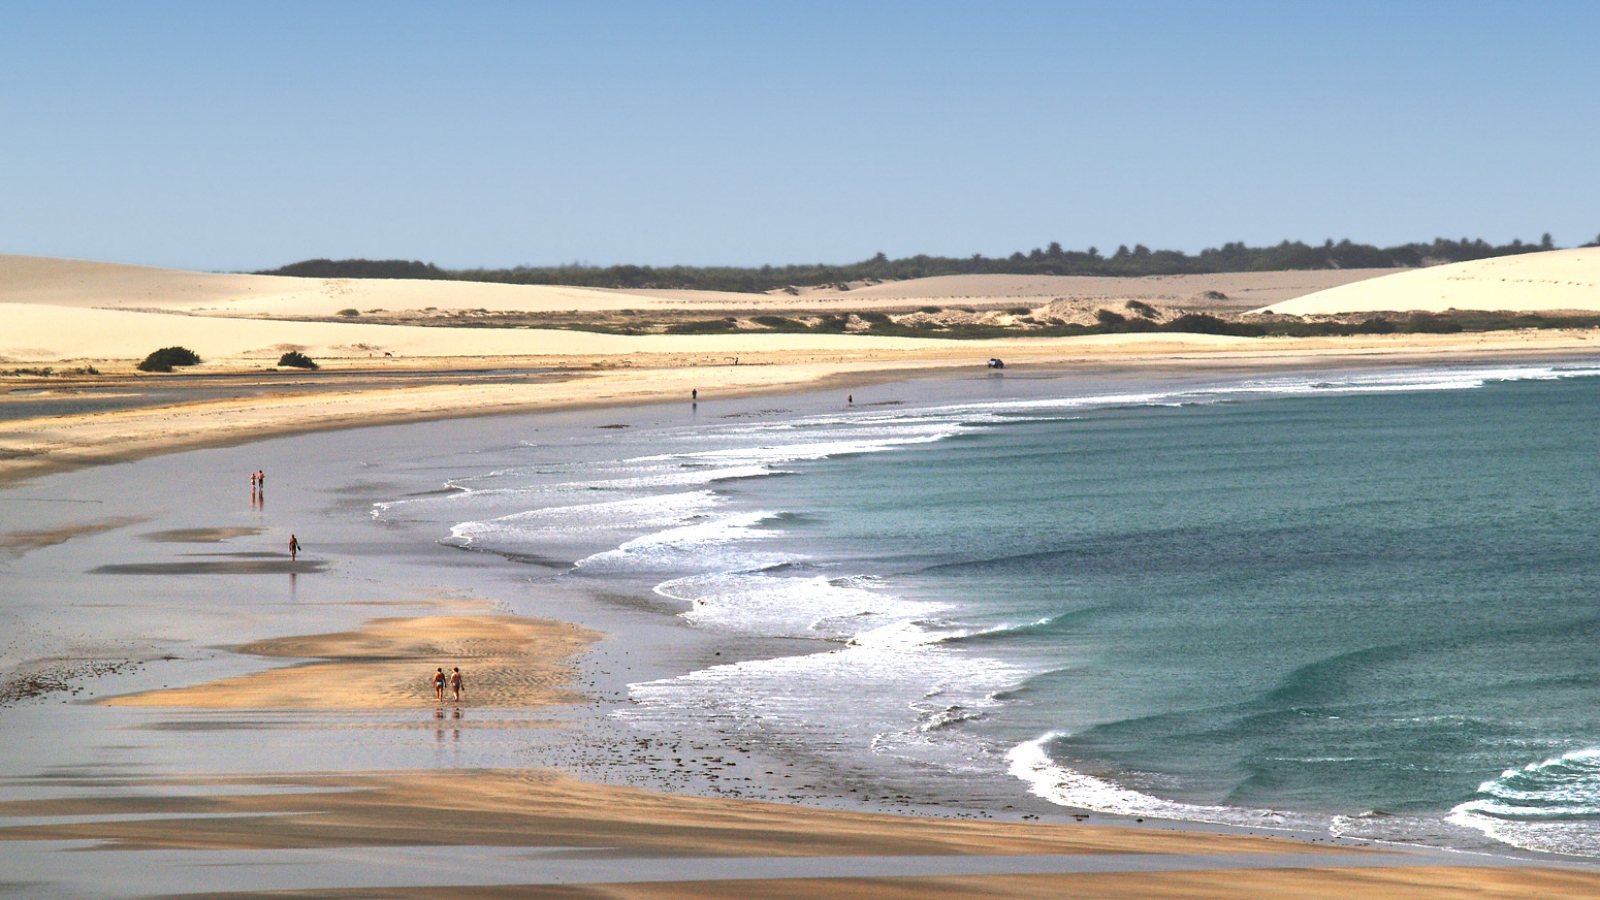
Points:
(1567, 280)
(510, 661)
(79, 283)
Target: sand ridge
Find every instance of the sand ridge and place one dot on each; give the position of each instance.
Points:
(508, 661)
(540, 808)
(494, 808)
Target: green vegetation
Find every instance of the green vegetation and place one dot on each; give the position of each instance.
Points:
(296, 359)
(348, 313)
(164, 359)
(1051, 260)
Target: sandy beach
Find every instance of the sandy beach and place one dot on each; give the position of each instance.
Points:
(226, 647)
(76, 315)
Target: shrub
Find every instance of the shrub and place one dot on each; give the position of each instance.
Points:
(1428, 323)
(348, 313)
(1143, 309)
(1109, 318)
(1200, 323)
(164, 359)
(1019, 310)
(930, 310)
(297, 360)
(708, 326)
(780, 323)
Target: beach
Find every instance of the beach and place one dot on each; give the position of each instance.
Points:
(174, 750)
(529, 506)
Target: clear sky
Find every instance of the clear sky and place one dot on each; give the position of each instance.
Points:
(237, 136)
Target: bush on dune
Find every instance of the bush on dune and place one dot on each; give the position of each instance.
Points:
(298, 360)
(164, 359)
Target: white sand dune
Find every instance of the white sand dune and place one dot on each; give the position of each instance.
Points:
(66, 282)
(43, 333)
(1534, 282)
(54, 310)
(70, 282)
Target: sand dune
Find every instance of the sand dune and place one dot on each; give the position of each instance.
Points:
(77, 283)
(46, 333)
(1240, 290)
(70, 282)
(1534, 282)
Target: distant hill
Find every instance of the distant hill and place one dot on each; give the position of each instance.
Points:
(1053, 260)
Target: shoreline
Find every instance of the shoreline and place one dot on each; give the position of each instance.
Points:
(1141, 885)
(33, 447)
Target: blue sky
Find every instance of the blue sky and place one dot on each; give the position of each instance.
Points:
(238, 136)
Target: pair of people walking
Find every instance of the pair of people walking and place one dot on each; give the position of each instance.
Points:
(454, 680)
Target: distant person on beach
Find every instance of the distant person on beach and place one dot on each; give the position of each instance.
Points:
(455, 682)
(694, 394)
(294, 547)
(438, 685)
(850, 399)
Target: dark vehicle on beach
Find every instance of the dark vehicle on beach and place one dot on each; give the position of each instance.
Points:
(996, 362)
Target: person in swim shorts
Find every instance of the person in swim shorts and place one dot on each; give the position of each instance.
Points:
(455, 683)
(438, 685)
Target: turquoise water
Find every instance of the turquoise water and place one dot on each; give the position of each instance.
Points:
(1367, 604)
(1356, 605)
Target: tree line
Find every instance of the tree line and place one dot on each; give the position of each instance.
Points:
(1050, 260)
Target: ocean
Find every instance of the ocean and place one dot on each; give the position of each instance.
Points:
(1363, 603)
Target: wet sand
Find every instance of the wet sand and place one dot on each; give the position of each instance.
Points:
(198, 535)
(315, 660)
(607, 842)
(16, 543)
(1418, 883)
(510, 661)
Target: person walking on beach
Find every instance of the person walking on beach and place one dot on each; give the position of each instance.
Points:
(294, 548)
(455, 683)
(438, 685)
(694, 394)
